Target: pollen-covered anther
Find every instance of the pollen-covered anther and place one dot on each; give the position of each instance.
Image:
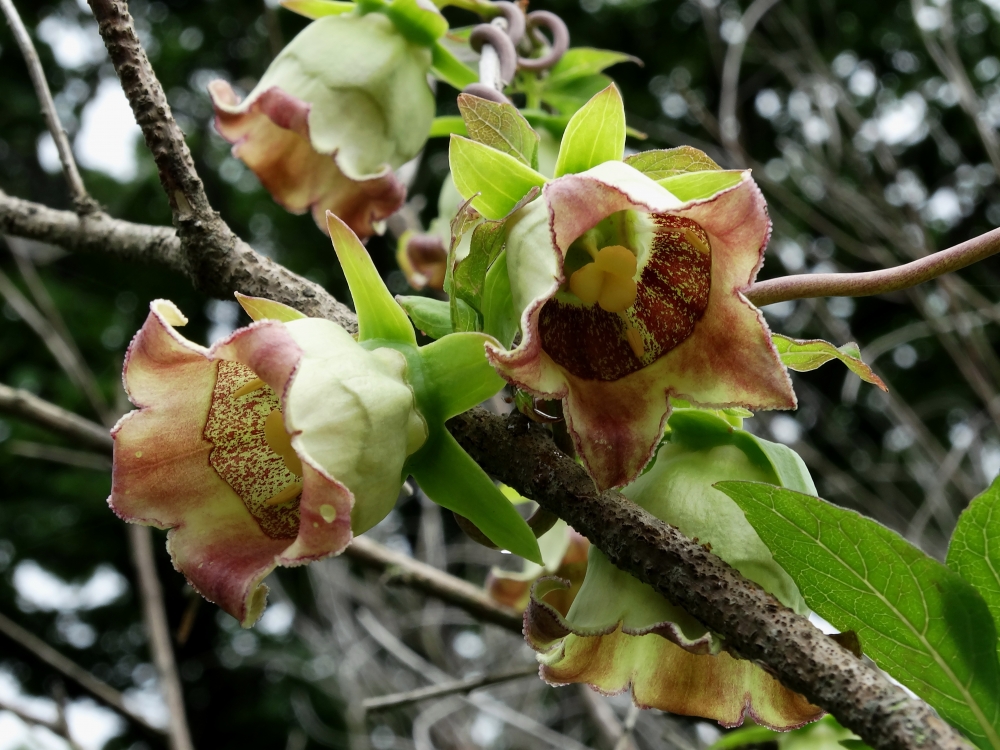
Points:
(608, 281)
(246, 389)
(696, 241)
(288, 494)
(279, 442)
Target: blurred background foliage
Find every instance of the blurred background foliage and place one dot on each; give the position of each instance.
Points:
(871, 128)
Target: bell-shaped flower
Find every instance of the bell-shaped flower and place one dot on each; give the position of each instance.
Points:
(277, 443)
(344, 104)
(626, 278)
(620, 634)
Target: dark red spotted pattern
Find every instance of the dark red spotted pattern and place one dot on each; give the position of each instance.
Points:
(673, 293)
(241, 455)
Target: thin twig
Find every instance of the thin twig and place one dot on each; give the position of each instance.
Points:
(59, 455)
(21, 403)
(100, 690)
(398, 700)
(82, 201)
(869, 283)
(56, 727)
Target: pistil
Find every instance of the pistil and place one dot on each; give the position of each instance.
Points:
(608, 280)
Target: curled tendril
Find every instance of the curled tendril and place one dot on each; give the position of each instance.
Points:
(486, 33)
(486, 92)
(540, 19)
(514, 16)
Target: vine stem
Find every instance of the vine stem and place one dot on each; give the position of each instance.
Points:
(866, 284)
(82, 201)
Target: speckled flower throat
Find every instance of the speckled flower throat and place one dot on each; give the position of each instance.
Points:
(251, 450)
(609, 324)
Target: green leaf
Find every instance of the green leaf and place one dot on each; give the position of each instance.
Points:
(693, 186)
(500, 180)
(464, 318)
(500, 318)
(917, 619)
(447, 125)
(318, 8)
(974, 551)
(448, 68)
(500, 126)
(459, 373)
(379, 315)
(581, 62)
(741, 738)
(803, 355)
(417, 24)
(659, 164)
(470, 272)
(567, 97)
(454, 481)
(431, 316)
(595, 134)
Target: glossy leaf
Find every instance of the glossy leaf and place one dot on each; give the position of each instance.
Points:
(379, 315)
(693, 186)
(453, 480)
(581, 62)
(659, 164)
(318, 8)
(500, 180)
(459, 372)
(916, 619)
(259, 308)
(594, 135)
(500, 126)
(448, 68)
(431, 316)
(803, 355)
(974, 551)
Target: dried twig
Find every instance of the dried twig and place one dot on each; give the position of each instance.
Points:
(398, 700)
(56, 727)
(82, 201)
(20, 403)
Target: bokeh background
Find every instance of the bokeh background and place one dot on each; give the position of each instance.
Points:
(872, 129)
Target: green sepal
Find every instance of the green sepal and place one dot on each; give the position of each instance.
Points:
(430, 316)
(379, 315)
(259, 308)
(500, 126)
(495, 181)
(594, 135)
(416, 24)
(700, 429)
(804, 355)
(694, 186)
(448, 68)
(447, 125)
(454, 481)
(459, 375)
(318, 8)
(500, 318)
(659, 164)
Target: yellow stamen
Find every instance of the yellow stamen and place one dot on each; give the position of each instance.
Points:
(695, 240)
(633, 337)
(254, 385)
(288, 494)
(278, 441)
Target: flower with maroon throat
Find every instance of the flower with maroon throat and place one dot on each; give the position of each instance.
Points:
(344, 104)
(618, 634)
(276, 444)
(627, 279)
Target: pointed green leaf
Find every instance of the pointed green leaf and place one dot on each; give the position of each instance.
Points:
(580, 62)
(379, 315)
(500, 126)
(803, 355)
(974, 551)
(470, 271)
(447, 125)
(430, 316)
(417, 24)
(595, 134)
(448, 68)
(916, 619)
(499, 179)
(318, 8)
(259, 308)
(567, 97)
(661, 163)
(454, 481)
(500, 318)
(695, 186)
(459, 372)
